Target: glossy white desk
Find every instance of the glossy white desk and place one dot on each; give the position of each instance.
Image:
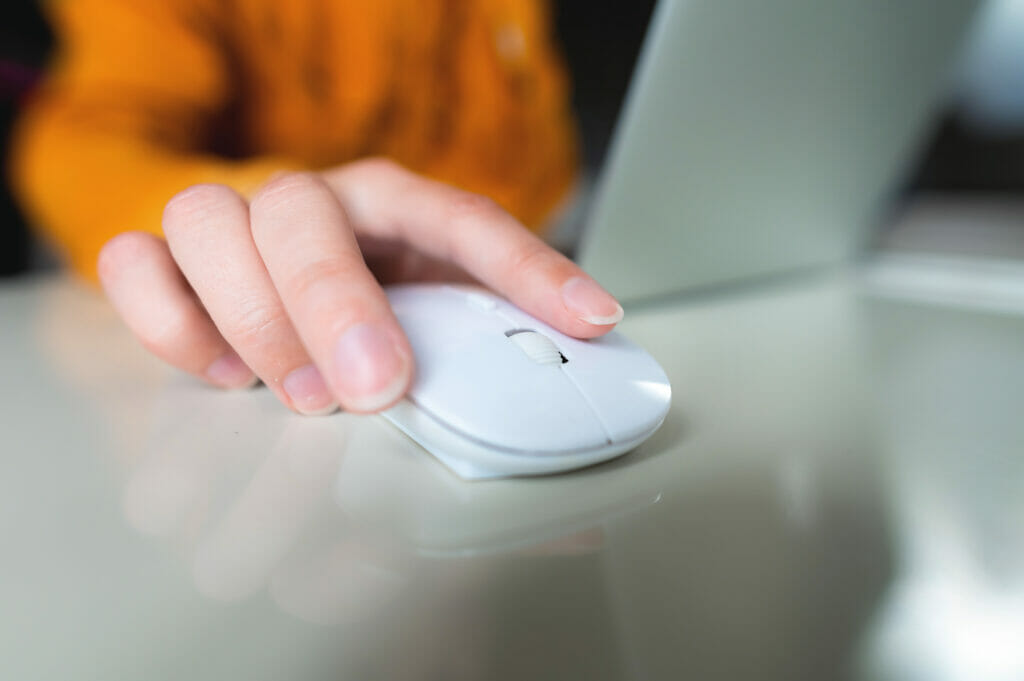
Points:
(837, 492)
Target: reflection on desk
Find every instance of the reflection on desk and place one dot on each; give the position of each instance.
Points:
(836, 492)
(331, 512)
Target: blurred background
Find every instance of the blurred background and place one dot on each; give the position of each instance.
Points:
(910, 566)
(975, 149)
(25, 42)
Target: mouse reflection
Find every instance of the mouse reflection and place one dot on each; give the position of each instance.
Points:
(337, 518)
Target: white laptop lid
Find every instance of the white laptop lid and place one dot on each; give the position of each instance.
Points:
(764, 136)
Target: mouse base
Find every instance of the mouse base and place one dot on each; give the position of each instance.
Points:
(473, 461)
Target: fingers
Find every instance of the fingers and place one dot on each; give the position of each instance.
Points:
(339, 310)
(285, 294)
(281, 283)
(476, 234)
(149, 292)
(207, 229)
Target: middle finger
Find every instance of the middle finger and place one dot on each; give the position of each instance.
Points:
(338, 308)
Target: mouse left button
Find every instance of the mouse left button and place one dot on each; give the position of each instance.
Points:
(481, 301)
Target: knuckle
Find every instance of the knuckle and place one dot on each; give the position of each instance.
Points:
(337, 290)
(466, 208)
(530, 258)
(196, 204)
(363, 185)
(377, 166)
(285, 189)
(311, 275)
(251, 321)
(470, 219)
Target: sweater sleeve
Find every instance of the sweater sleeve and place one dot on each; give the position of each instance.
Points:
(122, 121)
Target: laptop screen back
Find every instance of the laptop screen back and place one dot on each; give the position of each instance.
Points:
(760, 137)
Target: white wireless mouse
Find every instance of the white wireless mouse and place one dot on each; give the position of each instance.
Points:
(498, 393)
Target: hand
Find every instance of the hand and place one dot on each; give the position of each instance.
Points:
(283, 288)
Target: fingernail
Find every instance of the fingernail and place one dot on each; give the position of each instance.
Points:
(229, 371)
(585, 298)
(308, 392)
(371, 371)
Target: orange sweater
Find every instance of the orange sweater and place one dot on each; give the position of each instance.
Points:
(147, 97)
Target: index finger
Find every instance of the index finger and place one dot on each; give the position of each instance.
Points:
(472, 231)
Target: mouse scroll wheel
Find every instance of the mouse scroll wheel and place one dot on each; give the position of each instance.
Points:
(536, 346)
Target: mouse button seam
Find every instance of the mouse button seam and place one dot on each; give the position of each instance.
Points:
(505, 317)
(590, 404)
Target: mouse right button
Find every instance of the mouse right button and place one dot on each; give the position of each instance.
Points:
(626, 387)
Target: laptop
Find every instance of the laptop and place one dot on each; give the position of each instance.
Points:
(764, 137)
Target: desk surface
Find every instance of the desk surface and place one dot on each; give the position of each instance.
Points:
(838, 492)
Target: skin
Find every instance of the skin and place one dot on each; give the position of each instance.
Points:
(286, 288)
